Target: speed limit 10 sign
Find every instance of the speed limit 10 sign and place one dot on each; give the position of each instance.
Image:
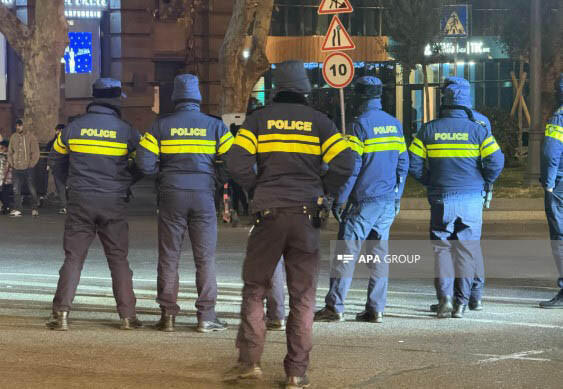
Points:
(338, 70)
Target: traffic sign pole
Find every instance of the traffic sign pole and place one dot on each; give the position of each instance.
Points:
(342, 110)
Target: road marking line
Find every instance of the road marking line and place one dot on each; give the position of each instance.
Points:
(521, 356)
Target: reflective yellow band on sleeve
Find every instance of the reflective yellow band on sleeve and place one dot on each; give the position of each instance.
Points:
(248, 134)
(187, 149)
(225, 137)
(148, 145)
(98, 150)
(226, 146)
(59, 146)
(335, 138)
(489, 150)
(419, 143)
(148, 136)
(355, 144)
(417, 150)
(453, 153)
(554, 131)
(288, 147)
(245, 143)
(335, 150)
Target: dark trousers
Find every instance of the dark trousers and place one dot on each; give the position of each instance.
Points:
(275, 299)
(6, 192)
(194, 211)
(19, 178)
(294, 237)
(105, 216)
(554, 213)
(61, 191)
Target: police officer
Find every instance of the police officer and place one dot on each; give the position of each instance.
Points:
(373, 193)
(183, 148)
(457, 159)
(94, 149)
(279, 151)
(551, 173)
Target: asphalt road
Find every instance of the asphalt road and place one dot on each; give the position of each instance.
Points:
(511, 344)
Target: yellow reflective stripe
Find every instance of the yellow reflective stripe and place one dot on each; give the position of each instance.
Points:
(489, 150)
(187, 149)
(416, 149)
(288, 147)
(335, 138)
(283, 137)
(226, 146)
(487, 141)
(245, 143)
(98, 150)
(145, 143)
(385, 140)
(94, 142)
(554, 131)
(438, 146)
(355, 144)
(384, 147)
(335, 150)
(249, 135)
(179, 142)
(225, 137)
(59, 146)
(148, 136)
(453, 153)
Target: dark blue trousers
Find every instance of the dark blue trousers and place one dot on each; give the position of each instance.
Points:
(554, 213)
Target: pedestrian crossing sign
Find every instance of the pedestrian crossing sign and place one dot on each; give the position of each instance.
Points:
(335, 7)
(455, 21)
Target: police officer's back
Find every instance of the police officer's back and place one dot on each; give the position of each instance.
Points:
(183, 148)
(95, 149)
(278, 152)
(551, 174)
(457, 158)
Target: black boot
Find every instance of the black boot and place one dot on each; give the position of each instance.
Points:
(556, 302)
(459, 310)
(58, 321)
(445, 307)
(166, 323)
(475, 305)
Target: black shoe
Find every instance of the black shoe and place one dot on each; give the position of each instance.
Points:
(166, 323)
(297, 382)
(445, 307)
(130, 323)
(275, 325)
(459, 310)
(211, 326)
(328, 315)
(556, 302)
(370, 317)
(243, 371)
(58, 321)
(475, 305)
(434, 307)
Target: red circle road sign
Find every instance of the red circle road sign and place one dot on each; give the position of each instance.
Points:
(338, 70)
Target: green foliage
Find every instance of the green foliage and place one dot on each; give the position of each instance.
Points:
(505, 130)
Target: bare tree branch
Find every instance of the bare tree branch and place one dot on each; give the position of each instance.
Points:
(16, 32)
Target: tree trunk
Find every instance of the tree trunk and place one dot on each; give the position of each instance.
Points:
(240, 74)
(40, 47)
(426, 115)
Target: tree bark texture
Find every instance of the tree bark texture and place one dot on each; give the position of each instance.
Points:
(239, 74)
(40, 46)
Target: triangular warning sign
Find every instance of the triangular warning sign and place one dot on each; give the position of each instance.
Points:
(337, 38)
(335, 7)
(454, 26)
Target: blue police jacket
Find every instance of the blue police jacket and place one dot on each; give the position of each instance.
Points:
(551, 161)
(183, 147)
(94, 149)
(455, 154)
(382, 161)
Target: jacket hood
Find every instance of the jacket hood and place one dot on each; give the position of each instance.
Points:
(187, 106)
(370, 105)
(457, 91)
(290, 76)
(186, 87)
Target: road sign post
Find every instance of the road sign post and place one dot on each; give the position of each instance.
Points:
(338, 67)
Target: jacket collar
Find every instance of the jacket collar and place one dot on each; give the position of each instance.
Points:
(454, 113)
(371, 105)
(187, 106)
(103, 108)
(289, 97)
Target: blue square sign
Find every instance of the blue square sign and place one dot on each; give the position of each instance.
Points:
(78, 55)
(455, 21)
